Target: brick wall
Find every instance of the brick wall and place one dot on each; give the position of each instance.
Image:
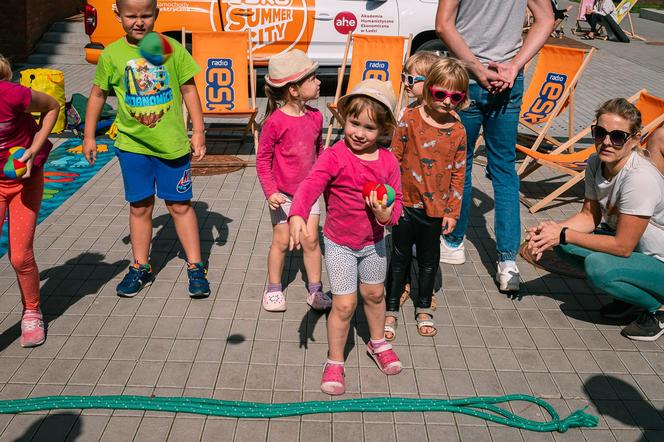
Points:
(23, 22)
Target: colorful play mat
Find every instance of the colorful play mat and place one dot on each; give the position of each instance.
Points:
(64, 173)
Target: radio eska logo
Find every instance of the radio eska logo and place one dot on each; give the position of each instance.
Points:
(219, 79)
(270, 22)
(376, 69)
(549, 94)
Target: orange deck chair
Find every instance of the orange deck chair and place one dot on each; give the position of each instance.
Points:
(574, 164)
(226, 83)
(551, 90)
(374, 56)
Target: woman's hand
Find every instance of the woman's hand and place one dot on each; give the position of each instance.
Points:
(276, 200)
(380, 209)
(198, 145)
(543, 237)
(28, 158)
(297, 226)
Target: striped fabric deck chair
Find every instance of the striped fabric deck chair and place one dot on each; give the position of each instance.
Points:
(373, 56)
(551, 90)
(226, 83)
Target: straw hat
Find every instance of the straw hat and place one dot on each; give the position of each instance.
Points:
(289, 67)
(381, 91)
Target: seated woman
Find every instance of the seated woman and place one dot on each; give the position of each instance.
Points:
(601, 14)
(625, 257)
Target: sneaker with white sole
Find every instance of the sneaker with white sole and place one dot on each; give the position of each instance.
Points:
(507, 276)
(450, 254)
(646, 327)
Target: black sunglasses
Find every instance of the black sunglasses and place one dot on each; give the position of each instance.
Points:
(618, 137)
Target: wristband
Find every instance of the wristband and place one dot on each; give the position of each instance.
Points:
(563, 237)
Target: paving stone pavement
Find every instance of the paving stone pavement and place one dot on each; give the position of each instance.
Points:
(549, 342)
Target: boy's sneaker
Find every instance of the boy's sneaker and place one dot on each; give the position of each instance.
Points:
(507, 276)
(319, 301)
(334, 379)
(450, 254)
(387, 360)
(32, 329)
(646, 327)
(138, 276)
(199, 287)
(617, 310)
(274, 301)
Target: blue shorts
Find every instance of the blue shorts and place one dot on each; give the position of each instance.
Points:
(142, 174)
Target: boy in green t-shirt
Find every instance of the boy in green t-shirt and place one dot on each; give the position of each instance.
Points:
(153, 147)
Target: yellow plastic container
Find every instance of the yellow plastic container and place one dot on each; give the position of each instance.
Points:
(51, 82)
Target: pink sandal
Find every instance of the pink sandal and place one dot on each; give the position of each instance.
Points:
(387, 360)
(334, 379)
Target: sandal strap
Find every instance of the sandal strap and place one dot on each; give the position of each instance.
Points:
(426, 323)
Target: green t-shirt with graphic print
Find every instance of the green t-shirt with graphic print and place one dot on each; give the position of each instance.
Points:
(149, 117)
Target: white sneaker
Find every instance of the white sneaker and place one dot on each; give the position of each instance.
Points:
(507, 276)
(450, 254)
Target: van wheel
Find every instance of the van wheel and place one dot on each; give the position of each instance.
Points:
(436, 46)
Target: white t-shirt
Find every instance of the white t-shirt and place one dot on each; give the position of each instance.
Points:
(638, 189)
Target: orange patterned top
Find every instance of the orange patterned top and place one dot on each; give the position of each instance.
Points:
(433, 164)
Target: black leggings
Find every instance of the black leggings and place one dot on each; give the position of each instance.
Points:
(414, 227)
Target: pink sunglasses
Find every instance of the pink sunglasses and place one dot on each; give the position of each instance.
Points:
(442, 94)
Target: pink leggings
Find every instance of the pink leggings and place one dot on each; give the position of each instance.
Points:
(23, 198)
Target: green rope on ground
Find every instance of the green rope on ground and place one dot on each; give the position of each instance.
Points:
(486, 408)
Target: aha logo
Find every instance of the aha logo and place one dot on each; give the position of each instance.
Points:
(376, 69)
(275, 26)
(345, 22)
(546, 102)
(219, 79)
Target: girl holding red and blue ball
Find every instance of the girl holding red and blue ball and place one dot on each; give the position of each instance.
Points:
(22, 194)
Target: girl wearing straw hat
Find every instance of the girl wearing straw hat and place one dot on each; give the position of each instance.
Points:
(290, 142)
(354, 225)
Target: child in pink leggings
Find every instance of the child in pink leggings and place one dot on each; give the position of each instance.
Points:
(22, 196)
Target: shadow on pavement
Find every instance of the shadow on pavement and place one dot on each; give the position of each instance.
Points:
(56, 426)
(618, 400)
(62, 290)
(165, 244)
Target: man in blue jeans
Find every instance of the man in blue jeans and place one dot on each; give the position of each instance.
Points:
(487, 36)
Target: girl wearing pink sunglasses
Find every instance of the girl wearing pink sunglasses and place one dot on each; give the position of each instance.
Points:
(430, 143)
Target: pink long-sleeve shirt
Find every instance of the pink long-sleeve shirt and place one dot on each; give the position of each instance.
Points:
(287, 150)
(340, 175)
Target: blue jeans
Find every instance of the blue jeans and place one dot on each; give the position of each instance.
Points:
(499, 116)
